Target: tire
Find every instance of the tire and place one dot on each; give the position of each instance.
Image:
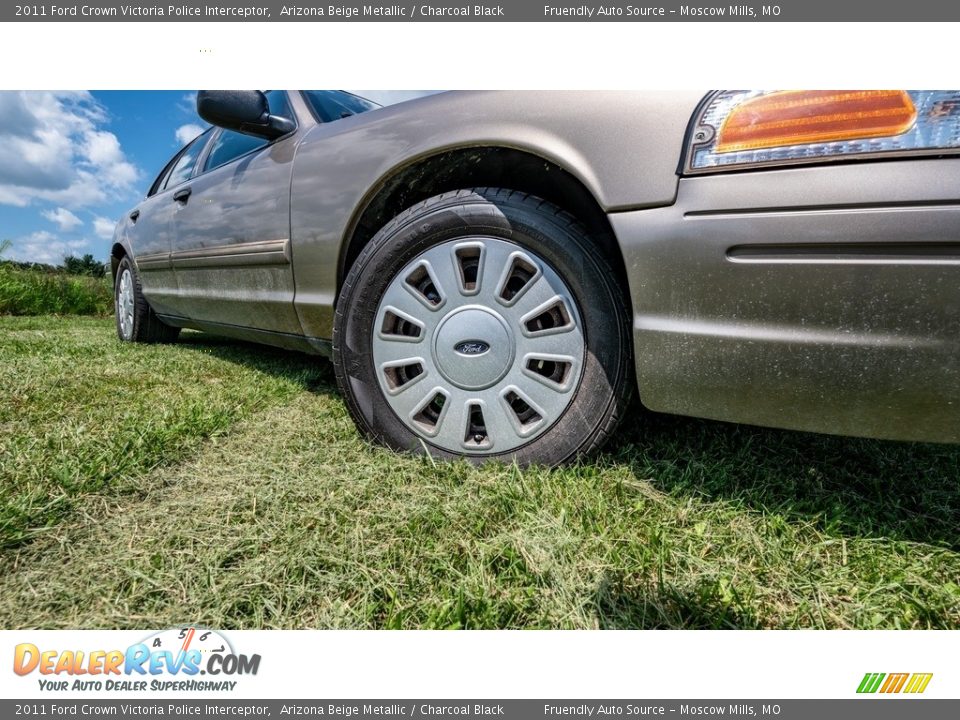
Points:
(478, 265)
(135, 319)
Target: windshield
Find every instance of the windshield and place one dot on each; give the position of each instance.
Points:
(330, 105)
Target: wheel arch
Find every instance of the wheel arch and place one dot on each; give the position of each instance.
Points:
(117, 253)
(482, 165)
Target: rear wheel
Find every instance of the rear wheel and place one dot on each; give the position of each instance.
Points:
(483, 323)
(135, 319)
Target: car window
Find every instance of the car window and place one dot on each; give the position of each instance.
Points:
(183, 167)
(158, 183)
(230, 145)
(330, 105)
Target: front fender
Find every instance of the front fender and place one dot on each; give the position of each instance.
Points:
(624, 147)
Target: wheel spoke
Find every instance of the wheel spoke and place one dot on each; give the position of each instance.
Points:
(399, 297)
(390, 351)
(557, 343)
(423, 282)
(549, 402)
(453, 425)
(495, 258)
(477, 346)
(405, 403)
(538, 293)
(402, 375)
(523, 414)
(469, 261)
(556, 371)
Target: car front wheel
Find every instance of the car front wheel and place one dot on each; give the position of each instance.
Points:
(484, 324)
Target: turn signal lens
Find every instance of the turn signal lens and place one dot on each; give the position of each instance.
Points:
(738, 129)
(808, 116)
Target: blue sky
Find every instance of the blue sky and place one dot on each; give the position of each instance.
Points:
(72, 163)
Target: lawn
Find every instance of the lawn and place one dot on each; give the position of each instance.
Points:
(222, 483)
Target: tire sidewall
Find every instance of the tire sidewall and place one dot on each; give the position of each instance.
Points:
(540, 229)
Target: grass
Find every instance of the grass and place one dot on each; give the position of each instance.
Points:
(33, 292)
(81, 413)
(224, 484)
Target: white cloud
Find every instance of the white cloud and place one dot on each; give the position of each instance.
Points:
(103, 227)
(54, 148)
(186, 133)
(188, 103)
(63, 218)
(102, 148)
(44, 247)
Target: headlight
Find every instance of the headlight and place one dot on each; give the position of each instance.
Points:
(742, 128)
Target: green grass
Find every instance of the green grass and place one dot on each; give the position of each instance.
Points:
(33, 292)
(82, 413)
(224, 484)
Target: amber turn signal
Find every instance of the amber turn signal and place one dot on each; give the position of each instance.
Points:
(795, 117)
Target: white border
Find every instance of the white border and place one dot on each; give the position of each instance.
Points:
(395, 55)
(545, 664)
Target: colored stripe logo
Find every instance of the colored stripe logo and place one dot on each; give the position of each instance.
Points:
(913, 683)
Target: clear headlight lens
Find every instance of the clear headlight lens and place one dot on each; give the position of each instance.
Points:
(738, 128)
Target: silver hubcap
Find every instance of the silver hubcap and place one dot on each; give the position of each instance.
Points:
(125, 304)
(478, 345)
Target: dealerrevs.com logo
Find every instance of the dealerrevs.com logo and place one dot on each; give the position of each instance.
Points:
(170, 660)
(889, 683)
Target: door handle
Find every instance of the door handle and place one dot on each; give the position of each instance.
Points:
(181, 196)
(134, 215)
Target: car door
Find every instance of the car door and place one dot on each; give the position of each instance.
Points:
(231, 252)
(149, 229)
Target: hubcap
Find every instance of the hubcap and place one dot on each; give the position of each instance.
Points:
(125, 304)
(478, 345)
(466, 360)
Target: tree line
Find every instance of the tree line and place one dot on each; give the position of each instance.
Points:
(72, 265)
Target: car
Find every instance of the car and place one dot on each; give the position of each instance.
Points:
(495, 274)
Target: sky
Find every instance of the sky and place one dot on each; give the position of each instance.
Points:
(73, 163)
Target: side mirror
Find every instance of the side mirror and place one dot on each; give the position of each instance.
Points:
(245, 111)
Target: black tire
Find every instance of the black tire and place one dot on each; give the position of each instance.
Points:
(606, 383)
(146, 327)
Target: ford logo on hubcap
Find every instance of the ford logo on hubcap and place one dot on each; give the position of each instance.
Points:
(471, 347)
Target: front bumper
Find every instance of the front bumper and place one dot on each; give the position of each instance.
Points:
(818, 298)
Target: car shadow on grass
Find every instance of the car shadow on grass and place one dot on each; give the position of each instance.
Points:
(845, 486)
(312, 372)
